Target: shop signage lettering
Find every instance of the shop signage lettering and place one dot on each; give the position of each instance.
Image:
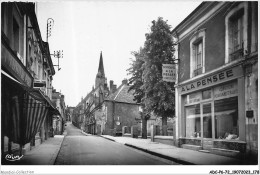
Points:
(168, 72)
(226, 91)
(212, 80)
(15, 67)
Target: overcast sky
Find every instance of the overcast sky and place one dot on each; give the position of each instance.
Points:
(82, 29)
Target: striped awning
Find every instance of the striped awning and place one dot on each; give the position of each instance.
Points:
(24, 110)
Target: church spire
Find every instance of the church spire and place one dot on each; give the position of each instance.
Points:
(101, 66)
(100, 78)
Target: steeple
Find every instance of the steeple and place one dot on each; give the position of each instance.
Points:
(101, 66)
(100, 78)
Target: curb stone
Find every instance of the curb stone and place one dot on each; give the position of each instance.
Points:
(161, 155)
(59, 149)
(108, 139)
(154, 153)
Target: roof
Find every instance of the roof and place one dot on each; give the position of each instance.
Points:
(122, 95)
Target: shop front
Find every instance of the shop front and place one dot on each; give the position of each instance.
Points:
(212, 112)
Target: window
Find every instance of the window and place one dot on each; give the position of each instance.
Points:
(226, 118)
(193, 126)
(197, 55)
(211, 110)
(236, 32)
(236, 44)
(254, 37)
(16, 35)
(3, 7)
(39, 72)
(197, 50)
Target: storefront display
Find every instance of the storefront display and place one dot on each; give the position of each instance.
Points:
(212, 113)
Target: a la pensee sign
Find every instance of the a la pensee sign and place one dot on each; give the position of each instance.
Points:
(214, 79)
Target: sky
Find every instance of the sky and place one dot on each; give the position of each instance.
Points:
(82, 29)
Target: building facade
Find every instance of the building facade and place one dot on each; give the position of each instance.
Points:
(120, 110)
(217, 79)
(25, 67)
(59, 119)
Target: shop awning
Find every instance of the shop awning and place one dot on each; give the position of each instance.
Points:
(24, 109)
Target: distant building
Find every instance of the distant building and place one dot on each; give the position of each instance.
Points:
(120, 110)
(217, 80)
(59, 119)
(69, 112)
(87, 111)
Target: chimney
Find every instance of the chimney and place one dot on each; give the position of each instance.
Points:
(114, 88)
(124, 81)
(111, 84)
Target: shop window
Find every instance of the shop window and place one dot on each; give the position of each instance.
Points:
(206, 94)
(193, 126)
(226, 118)
(197, 50)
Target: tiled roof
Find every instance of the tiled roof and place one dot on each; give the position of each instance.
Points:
(122, 95)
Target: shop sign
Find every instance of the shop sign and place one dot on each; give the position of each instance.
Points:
(226, 91)
(13, 65)
(168, 72)
(220, 77)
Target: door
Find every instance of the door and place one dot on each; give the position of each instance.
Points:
(206, 125)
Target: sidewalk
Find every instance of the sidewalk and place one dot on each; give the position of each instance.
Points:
(176, 154)
(44, 154)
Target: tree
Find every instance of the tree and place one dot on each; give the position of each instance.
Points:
(159, 96)
(136, 82)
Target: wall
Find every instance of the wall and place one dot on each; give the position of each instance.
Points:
(214, 51)
(251, 101)
(126, 113)
(109, 117)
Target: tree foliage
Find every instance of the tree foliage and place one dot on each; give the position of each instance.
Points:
(159, 49)
(154, 94)
(136, 72)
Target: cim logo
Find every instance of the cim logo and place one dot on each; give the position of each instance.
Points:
(12, 157)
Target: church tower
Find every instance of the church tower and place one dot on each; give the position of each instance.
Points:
(100, 78)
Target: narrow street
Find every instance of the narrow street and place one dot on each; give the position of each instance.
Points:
(79, 149)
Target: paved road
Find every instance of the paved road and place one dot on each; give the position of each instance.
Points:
(79, 149)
